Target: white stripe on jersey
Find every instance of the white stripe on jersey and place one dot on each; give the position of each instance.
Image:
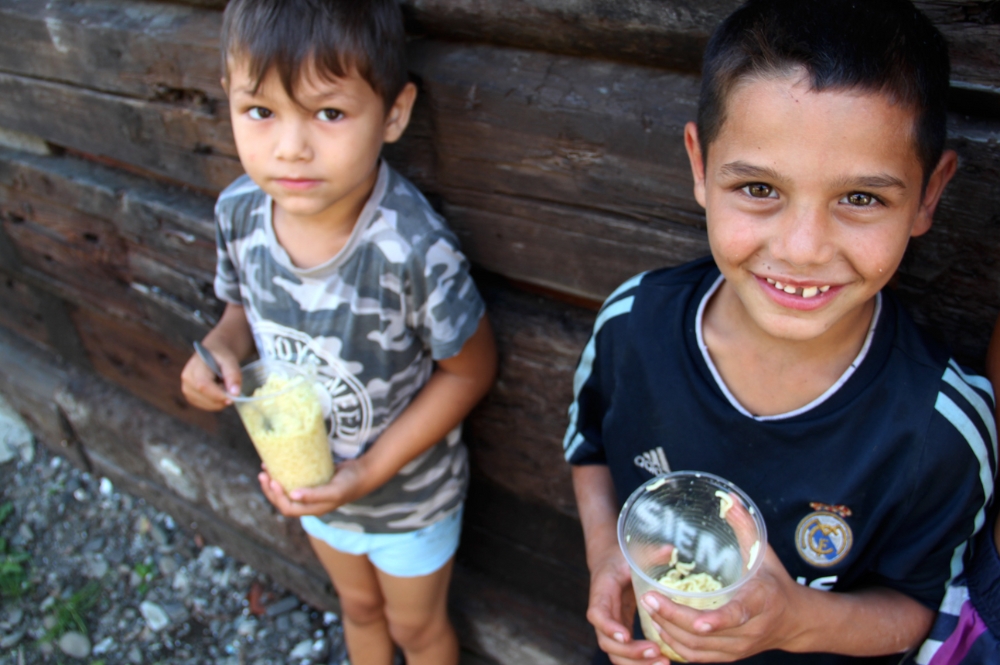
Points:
(975, 399)
(623, 306)
(927, 651)
(980, 382)
(573, 438)
(957, 417)
(577, 442)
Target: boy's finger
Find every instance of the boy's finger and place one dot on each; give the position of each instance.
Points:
(232, 376)
(641, 651)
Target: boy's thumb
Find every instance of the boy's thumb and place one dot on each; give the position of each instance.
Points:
(233, 378)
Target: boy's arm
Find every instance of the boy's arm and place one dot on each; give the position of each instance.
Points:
(774, 612)
(455, 387)
(611, 607)
(229, 342)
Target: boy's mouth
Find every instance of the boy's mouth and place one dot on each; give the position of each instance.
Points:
(801, 291)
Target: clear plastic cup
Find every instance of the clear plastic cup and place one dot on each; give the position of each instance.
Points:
(690, 517)
(285, 422)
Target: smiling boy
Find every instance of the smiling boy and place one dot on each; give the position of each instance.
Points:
(782, 364)
(328, 257)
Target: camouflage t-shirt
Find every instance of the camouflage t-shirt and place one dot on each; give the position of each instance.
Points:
(372, 319)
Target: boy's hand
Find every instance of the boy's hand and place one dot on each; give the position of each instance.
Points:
(345, 486)
(201, 387)
(762, 616)
(611, 610)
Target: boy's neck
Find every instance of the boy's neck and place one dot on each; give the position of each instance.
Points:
(312, 240)
(770, 375)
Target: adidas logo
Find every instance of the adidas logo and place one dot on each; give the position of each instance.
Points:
(653, 461)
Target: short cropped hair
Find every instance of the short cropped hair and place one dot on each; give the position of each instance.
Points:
(881, 46)
(335, 36)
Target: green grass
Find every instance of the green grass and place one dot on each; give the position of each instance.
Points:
(13, 571)
(146, 572)
(69, 612)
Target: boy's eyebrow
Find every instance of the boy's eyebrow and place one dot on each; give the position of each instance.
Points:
(880, 181)
(741, 169)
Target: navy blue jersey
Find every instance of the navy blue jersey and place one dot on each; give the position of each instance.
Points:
(880, 481)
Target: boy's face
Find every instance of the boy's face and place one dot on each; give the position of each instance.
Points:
(314, 155)
(811, 198)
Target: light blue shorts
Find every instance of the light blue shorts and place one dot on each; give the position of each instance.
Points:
(411, 554)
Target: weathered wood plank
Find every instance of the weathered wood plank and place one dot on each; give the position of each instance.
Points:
(187, 145)
(155, 49)
(173, 225)
(22, 312)
(584, 133)
(59, 240)
(670, 34)
(141, 361)
(516, 432)
(151, 50)
(517, 238)
(525, 545)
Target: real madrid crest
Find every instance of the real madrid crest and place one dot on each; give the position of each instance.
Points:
(823, 538)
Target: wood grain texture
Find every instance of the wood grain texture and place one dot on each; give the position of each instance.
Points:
(187, 145)
(170, 50)
(148, 50)
(673, 33)
(22, 311)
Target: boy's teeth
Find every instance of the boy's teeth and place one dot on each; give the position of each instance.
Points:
(805, 292)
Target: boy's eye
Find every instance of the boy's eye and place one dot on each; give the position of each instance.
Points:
(329, 115)
(860, 199)
(259, 113)
(759, 190)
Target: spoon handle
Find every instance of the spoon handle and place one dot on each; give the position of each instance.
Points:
(209, 359)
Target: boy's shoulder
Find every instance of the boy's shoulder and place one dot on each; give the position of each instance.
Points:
(406, 211)
(238, 201)
(664, 283)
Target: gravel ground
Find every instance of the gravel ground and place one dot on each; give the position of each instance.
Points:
(90, 574)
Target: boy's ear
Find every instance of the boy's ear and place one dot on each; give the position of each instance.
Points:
(697, 161)
(399, 114)
(943, 173)
(225, 84)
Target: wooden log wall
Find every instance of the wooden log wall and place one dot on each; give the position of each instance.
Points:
(549, 134)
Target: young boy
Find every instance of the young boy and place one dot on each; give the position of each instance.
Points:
(781, 364)
(329, 257)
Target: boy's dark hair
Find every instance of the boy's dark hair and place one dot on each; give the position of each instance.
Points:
(335, 35)
(883, 46)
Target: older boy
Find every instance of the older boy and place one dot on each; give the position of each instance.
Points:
(782, 364)
(329, 257)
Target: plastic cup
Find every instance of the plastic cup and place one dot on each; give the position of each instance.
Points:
(682, 517)
(285, 422)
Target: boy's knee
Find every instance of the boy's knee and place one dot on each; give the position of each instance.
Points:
(362, 610)
(416, 635)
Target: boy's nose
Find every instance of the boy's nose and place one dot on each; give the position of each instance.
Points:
(293, 143)
(805, 237)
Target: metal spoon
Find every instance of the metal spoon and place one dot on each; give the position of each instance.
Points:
(213, 365)
(209, 359)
